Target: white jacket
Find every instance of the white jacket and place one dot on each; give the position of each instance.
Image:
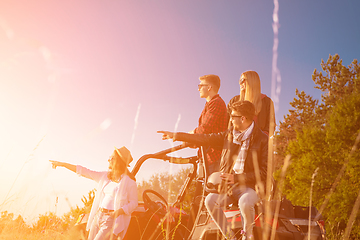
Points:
(126, 198)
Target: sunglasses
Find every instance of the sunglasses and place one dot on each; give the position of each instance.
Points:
(202, 85)
(235, 116)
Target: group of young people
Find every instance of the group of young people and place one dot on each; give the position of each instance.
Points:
(236, 142)
(234, 136)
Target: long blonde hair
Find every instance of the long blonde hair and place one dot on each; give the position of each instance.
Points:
(252, 90)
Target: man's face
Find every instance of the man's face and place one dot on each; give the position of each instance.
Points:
(204, 88)
(237, 120)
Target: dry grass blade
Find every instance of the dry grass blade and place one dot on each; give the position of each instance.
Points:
(269, 180)
(278, 192)
(310, 200)
(352, 218)
(22, 167)
(260, 186)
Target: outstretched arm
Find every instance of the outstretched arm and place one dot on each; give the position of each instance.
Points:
(168, 135)
(69, 166)
(215, 140)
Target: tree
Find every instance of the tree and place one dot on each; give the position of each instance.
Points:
(303, 113)
(321, 135)
(335, 82)
(168, 185)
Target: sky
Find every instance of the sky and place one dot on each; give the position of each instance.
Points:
(78, 78)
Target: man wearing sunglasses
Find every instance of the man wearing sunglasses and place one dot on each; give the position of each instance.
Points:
(213, 118)
(243, 166)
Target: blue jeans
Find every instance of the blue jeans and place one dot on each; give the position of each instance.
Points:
(102, 227)
(246, 198)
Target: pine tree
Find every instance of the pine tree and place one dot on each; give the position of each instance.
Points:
(322, 135)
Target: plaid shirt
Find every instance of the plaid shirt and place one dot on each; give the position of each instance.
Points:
(213, 119)
(242, 139)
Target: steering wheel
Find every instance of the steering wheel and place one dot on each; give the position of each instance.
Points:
(154, 206)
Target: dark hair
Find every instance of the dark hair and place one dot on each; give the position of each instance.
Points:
(214, 80)
(245, 108)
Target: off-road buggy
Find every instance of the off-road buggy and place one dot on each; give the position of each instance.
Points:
(157, 219)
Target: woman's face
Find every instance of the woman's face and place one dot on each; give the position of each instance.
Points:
(112, 162)
(242, 83)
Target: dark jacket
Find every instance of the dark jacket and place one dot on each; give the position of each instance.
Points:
(258, 150)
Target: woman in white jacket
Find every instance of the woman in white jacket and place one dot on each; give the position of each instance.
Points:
(115, 198)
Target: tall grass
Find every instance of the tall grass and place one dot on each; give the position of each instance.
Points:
(23, 232)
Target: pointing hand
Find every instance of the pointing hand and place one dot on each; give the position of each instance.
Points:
(167, 135)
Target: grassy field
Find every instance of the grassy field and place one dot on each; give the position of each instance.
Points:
(32, 235)
(25, 233)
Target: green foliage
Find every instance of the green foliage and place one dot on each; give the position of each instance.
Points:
(305, 159)
(336, 80)
(168, 186)
(303, 113)
(342, 130)
(321, 135)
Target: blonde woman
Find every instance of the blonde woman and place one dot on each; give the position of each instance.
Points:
(250, 90)
(115, 198)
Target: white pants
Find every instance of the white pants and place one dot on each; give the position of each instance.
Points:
(102, 227)
(246, 198)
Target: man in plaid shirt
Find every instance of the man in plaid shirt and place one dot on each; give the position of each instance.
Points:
(214, 118)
